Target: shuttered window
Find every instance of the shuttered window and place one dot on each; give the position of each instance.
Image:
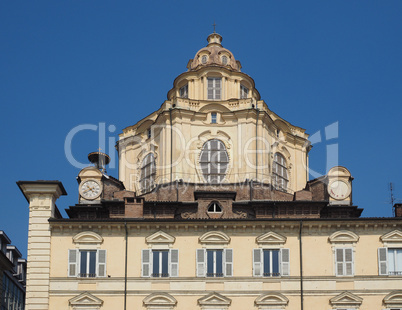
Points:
(214, 262)
(214, 88)
(148, 172)
(214, 161)
(160, 263)
(86, 263)
(280, 172)
(344, 262)
(271, 262)
(390, 261)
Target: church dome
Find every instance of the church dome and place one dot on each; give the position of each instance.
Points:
(214, 54)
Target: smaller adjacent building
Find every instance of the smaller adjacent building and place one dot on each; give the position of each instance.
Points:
(12, 274)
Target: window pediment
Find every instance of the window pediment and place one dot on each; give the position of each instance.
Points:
(160, 300)
(343, 236)
(271, 299)
(271, 238)
(160, 237)
(88, 237)
(215, 237)
(214, 299)
(393, 236)
(394, 299)
(346, 299)
(84, 300)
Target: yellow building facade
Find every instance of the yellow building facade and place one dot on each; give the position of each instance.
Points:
(212, 210)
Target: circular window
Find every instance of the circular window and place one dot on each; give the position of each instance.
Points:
(224, 60)
(204, 59)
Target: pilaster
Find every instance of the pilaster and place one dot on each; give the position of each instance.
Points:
(41, 196)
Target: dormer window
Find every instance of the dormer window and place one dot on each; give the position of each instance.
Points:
(214, 88)
(224, 60)
(213, 118)
(204, 59)
(184, 91)
(243, 92)
(214, 208)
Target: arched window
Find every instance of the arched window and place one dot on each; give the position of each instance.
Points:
(148, 172)
(280, 172)
(214, 207)
(214, 161)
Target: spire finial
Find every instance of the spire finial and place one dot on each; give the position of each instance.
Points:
(214, 27)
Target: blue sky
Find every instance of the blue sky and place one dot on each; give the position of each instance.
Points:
(68, 63)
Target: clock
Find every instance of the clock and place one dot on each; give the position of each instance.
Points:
(90, 189)
(339, 190)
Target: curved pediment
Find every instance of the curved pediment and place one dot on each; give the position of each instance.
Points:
(343, 236)
(88, 237)
(346, 299)
(272, 299)
(271, 238)
(215, 237)
(394, 299)
(85, 299)
(393, 236)
(159, 299)
(160, 237)
(214, 299)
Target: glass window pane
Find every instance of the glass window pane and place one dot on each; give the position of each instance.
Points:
(275, 263)
(219, 269)
(155, 264)
(165, 263)
(83, 263)
(92, 263)
(210, 263)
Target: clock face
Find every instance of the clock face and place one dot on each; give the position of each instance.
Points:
(90, 189)
(339, 190)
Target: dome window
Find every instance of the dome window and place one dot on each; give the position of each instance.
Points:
(214, 161)
(204, 59)
(214, 88)
(184, 91)
(280, 172)
(243, 92)
(148, 173)
(224, 60)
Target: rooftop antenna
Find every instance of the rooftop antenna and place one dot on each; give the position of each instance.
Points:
(391, 189)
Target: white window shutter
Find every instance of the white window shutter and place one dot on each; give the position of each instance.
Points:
(228, 268)
(101, 263)
(174, 263)
(383, 261)
(339, 262)
(349, 262)
(201, 262)
(257, 265)
(285, 262)
(72, 262)
(146, 263)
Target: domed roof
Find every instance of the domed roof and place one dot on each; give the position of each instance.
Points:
(214, 54)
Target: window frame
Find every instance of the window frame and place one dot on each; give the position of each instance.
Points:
(259, 264)
(280, 180)
(147, 180)
(147, 265)
(75, 261)
(202, 262)
(214, 91)
(214, 118)
(214, 171)
(216, 206)
(343, 264)
(243, 92)
(183, 91)
(384, 261)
